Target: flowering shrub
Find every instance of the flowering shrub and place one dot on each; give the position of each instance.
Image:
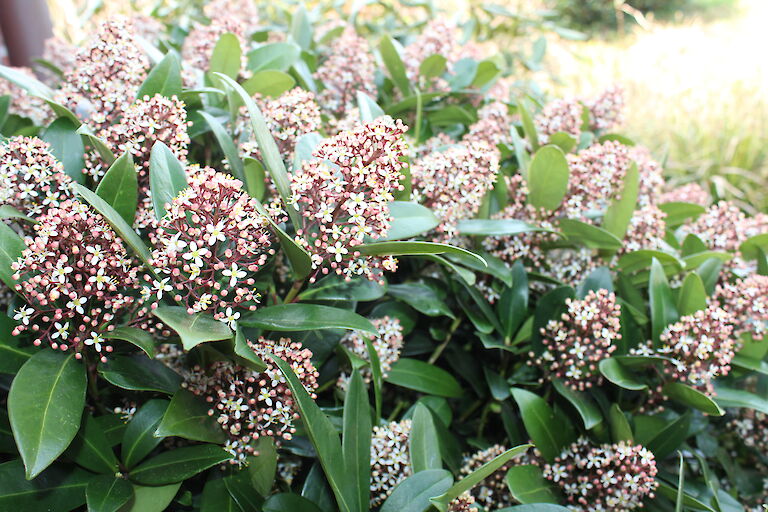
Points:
(260, 258)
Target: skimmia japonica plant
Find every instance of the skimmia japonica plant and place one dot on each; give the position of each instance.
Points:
(279, 259)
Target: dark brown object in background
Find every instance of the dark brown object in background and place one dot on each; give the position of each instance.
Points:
(25, 25)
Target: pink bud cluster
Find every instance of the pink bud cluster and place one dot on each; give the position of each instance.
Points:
(646, 230)
(492, 126)
(390, 459)
(343, 197)
(209, 246)
(651, 176)
(597, 177)
(293, 114)
(560, 115)
(59, 53)
(453, 182)
(747, 300)
(492, 492)
(249, 404)
(107, 73)
(31, 179)
(348, 68)
(73, 274)
(387, 344)
(463, 503)
(723, 227)
(582, 337)
(244, 11)
(606, 111)
(611, 477)
(198, 46)
(437, 38)
(24, 104)
(751, 427)
(688, 193)
(700, 346)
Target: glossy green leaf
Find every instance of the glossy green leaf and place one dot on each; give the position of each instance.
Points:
(269, 82)
(549, 431)
(356, 441)
(662, 304)
(45, 404)
(280, 56)
(187, 417)
(496, 227)
(670, 437)
(134, 336)
(305, 317)
(513, 303)
(107, 493)
(693, 296)
(139, 438)
(67, 147)
(337, 288)
(281, 502)
(227, 145)
(727, 397)
(13, 352)
(409, 220)
(616, 373)
(9, 212)
(139, 373)
(164, 79)
(423, 377)
(27, 82)
(582, 402)
(420, 297)
(413, 493)
(537, 507)
(249, 357)
(192, 329)
(620, 429)
(547, 180)
(11, 247)
(527, 485)
(166, 177)
(423, 443)
(151, 499)
(263, 466)
(397, 248)
(433, 66)
(178, 465)
(588, 235)
(691, 397)
(225, 57)
(643, 259)
(621, 210)
(97, 144)
(390, 54)
(369, 109)
(60, 488)
(91, 449)
(119, 187)
(678, 213)
(530, 132)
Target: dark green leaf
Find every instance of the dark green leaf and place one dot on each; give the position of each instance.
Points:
(119, 187)
(140, 373)
(151, 499)
(139, 438)
(528, 485)
(728, 397)
(250, 358)
(423, 444)
(689, 396)
(263, 466)
(413, 248)
(166, 177)
(670, 437)
(91, 449)
(164, 79)
(513, 304)
(108, 494)
(135, 336)
(187, 417)
(663, 311)
(620, 429)
(588, 235)
(227, 145)
(60, 488)
(67, 147)
(616, 373)
(192, 329)
(496, 227)
(420, 297)
(13, 354)
(423, 377)
(306, 317)
(356, 441)
(549, 431)
(11, 247)
(413, 494)
(582, 402)
(337, 288)
(178, 465)
(285, 501)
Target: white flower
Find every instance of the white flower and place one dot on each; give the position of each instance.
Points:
(77, 304)
(23, 314)
(100, 279)
(62, 331)
(60, 273)
(196, 254)
(96, 340)
(231, 317)
(96, 253)
(215, 232)
(233, 273)
(162, 286)
(338, 250)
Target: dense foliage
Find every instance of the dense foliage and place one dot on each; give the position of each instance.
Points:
(304, 263)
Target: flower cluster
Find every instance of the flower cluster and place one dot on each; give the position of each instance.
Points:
(31, 179)
(349, 68)
(581, 338)
(463, 503)
(288, 117)
(209, 246)
(249, 404)
(343, 196)
(492, 492)
(73, 275)
(24, 104)
(492, 126)
(610, 477)
(701, 347)
(597, 176)
(59, 53)
(199, 44)
(650, 174)
(747, 301)
(453, 182)
(390, 459)
(751, 427)
(606, 111)
(723, 227)
(646, 230)
(437, 38)
(106, 75)
(561, 115)
(688, 193)
(387, 345)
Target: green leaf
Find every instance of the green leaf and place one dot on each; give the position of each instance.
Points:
(487, 70)
(423, 443)
(45, 404)
(60, 488)
(619, 214)
(166, 177)
(226, 55)
(301, 29)
(29, 83)
(468, 482)
(535, 507)
(269, 82)
(689, 396)
(680, 485)
(749, 248)
(67, 147)
(548, 178)
(306, 317)
(9, 212)
(670, 437)
(377, 378)
(5, 103)
(728, 397)
(164, 79)
(423, 377)
(642, 259)
(433, 66)
(119, 187)
(549, 431)
(139, 373)
(413, 493)
(269, 151)
(513, 304)
(356, 442)
(397, 248)
(450, 115)
(227, 145)
(564, 141)
(13, 354)
(281, 502)
(134, 336)
(187, 417)
(107, 493)
(390, 54)
(582, 402)
(369, 110)
(100, 145)
(193, 329)
(409, 220)
(118, 224)
(280, 56)
(672, 493)
(324, 438)
(338, 288)
(678, 213)
(496, 227)
(178, 465)
(530, 131)
(616, 373)
(139, 438)
(151, 499)
(263, 466)
(11, 247)
(620, 429)
(663, 311)
(91, 449)
(693, 296)
(527, 485)
(250, 358)
(420, 297)
(589, 236)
